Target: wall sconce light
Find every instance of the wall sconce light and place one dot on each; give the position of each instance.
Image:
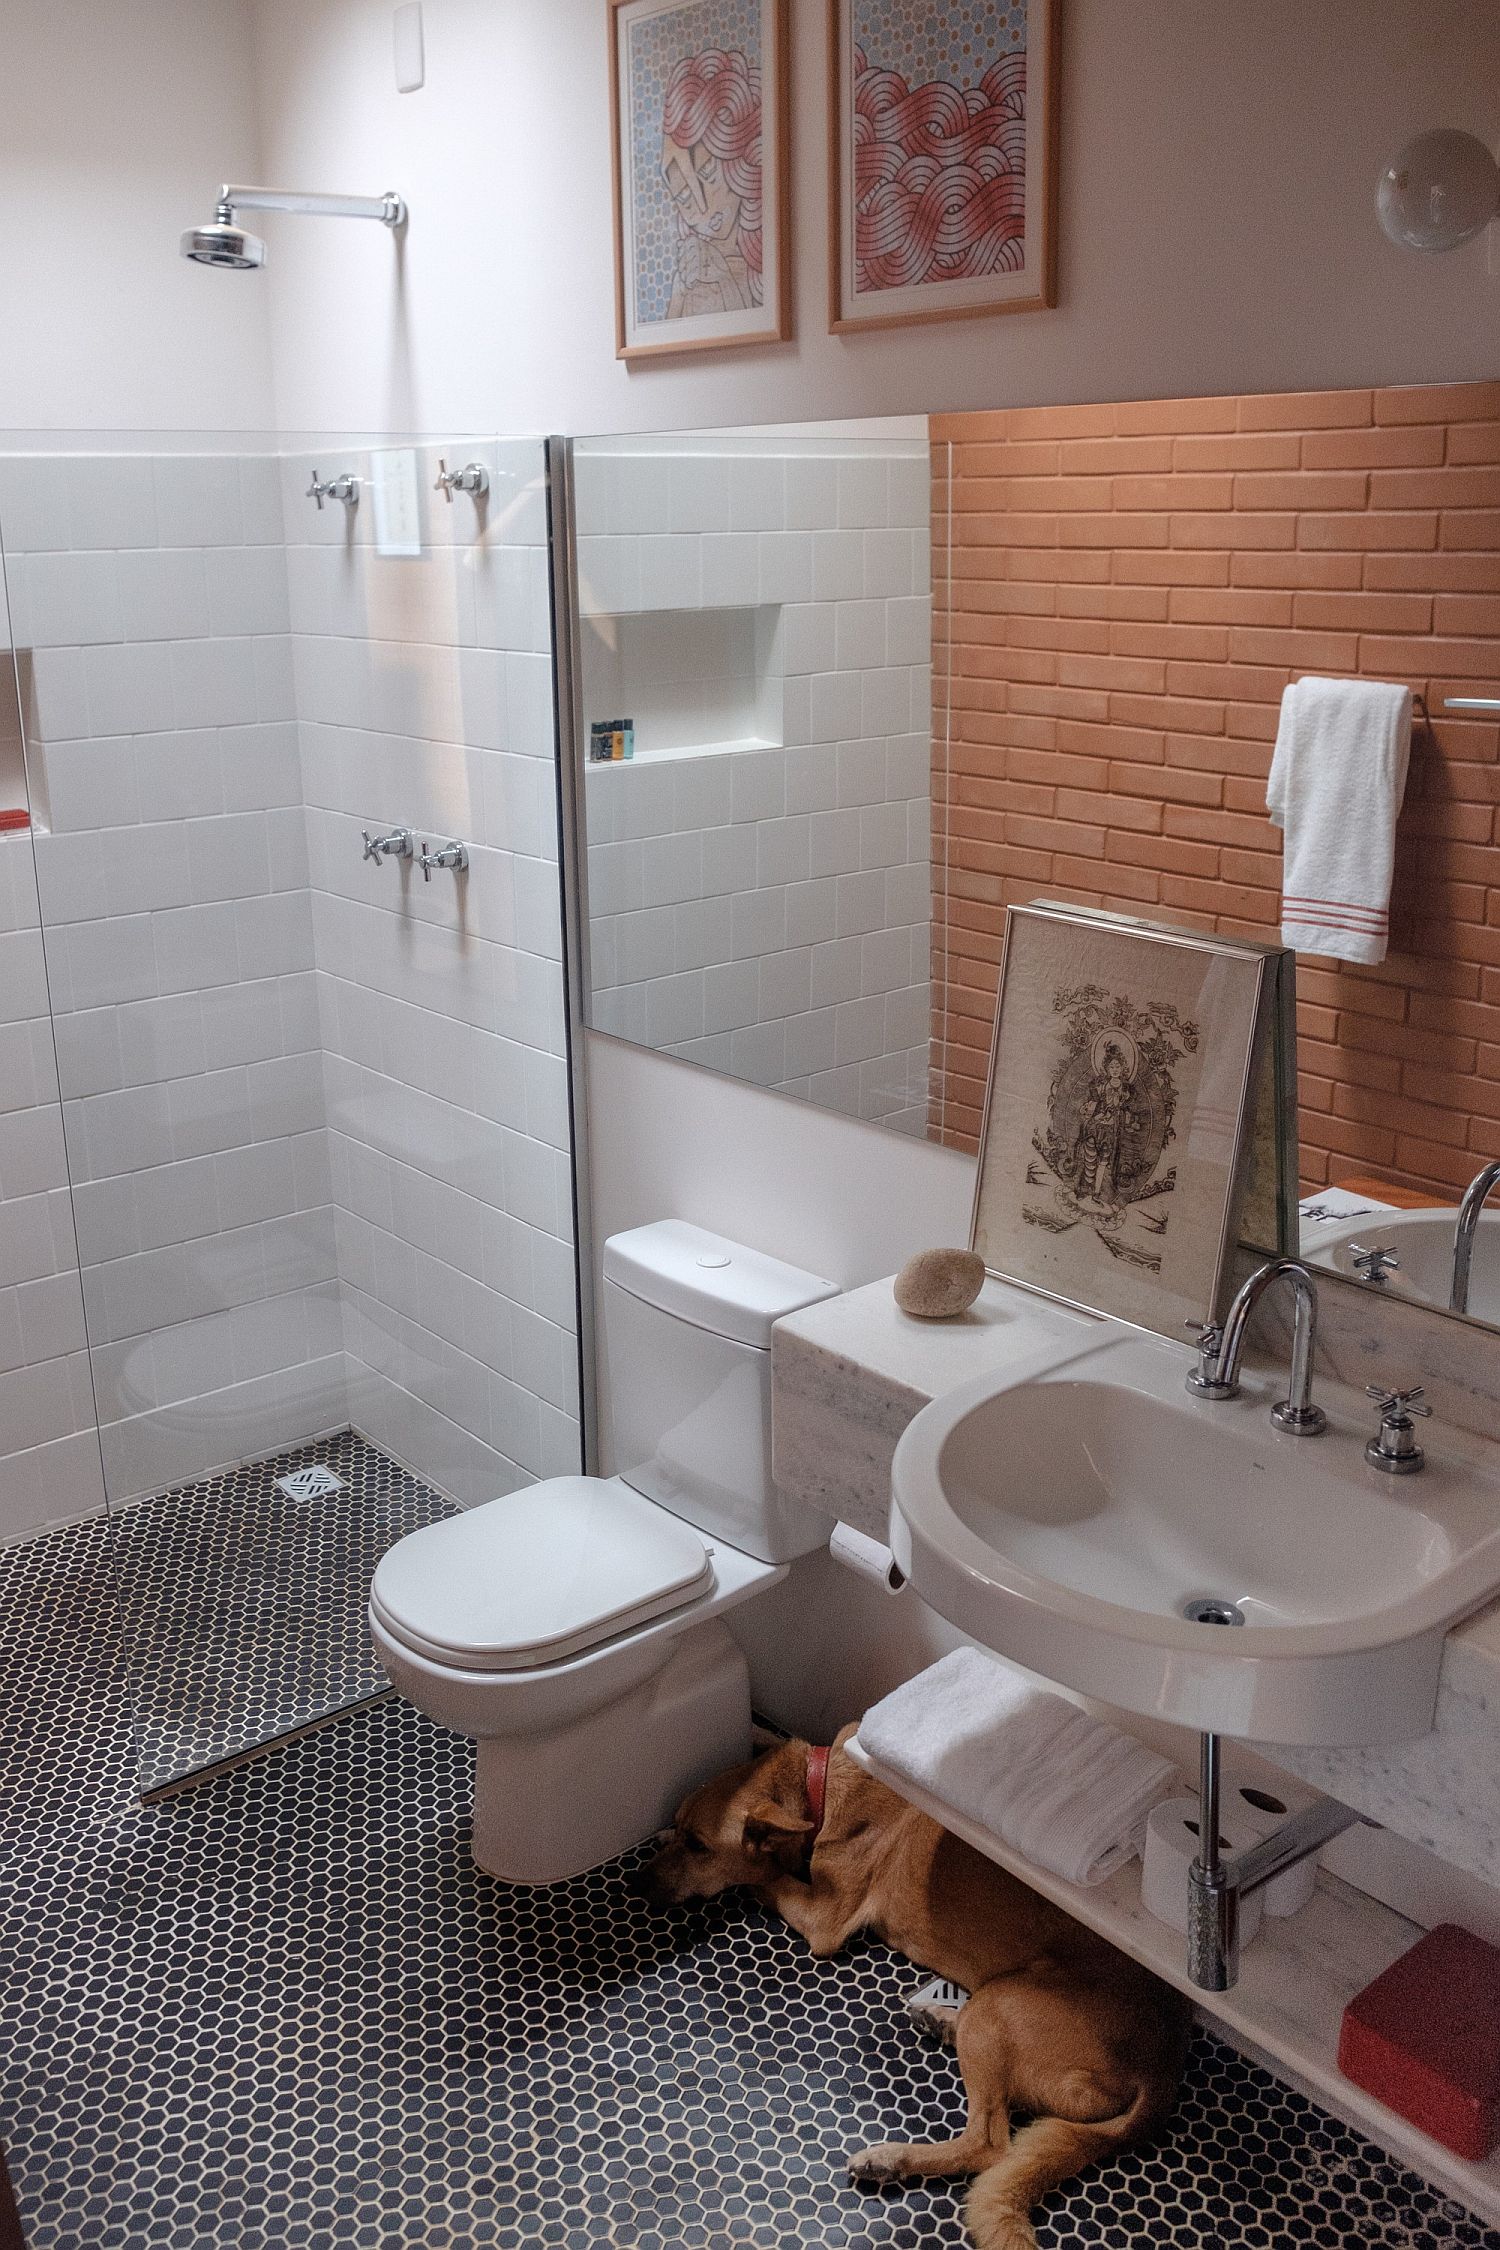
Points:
(1441, 190)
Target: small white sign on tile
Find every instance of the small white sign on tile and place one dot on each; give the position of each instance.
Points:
(411, 62)
(398, 508)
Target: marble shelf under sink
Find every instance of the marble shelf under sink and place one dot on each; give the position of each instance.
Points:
(1295, 1981)
(850, 1373)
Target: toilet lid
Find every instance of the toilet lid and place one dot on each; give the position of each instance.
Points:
(538, 1575)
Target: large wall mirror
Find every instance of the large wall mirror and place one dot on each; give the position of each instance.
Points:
(756, 608)
(884, 680)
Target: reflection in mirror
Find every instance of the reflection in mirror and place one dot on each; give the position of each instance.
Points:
(755, 691)
(1131, 590)
(1120, 596)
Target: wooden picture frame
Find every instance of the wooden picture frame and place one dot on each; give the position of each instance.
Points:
(909, 285)
(703, 229)
(1121, 1112)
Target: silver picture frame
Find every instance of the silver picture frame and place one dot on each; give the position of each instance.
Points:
(1135, 1121)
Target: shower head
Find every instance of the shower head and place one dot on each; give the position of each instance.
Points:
(223, 243)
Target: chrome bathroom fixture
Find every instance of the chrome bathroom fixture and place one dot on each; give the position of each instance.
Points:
(1217, 1883)
(1394, 1448)
(1205, 1380)
(1439, 191)
(223, 243)
(1217, 1374)
(473, 478)
(345, 488)
(1476, 1195)
(453, 854)
(396, 843)
(1373, 1261)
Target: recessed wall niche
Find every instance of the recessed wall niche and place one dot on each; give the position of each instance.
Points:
(12, 758)
(691, 681)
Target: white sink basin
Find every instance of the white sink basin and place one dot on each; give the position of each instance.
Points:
(1423, 1241)
(1068, 1517)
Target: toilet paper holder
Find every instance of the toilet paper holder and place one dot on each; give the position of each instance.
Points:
(867, 1558)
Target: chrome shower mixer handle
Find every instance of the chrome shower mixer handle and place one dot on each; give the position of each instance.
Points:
(454, 855)
(396, 843)
(473, 478)
(345, 488)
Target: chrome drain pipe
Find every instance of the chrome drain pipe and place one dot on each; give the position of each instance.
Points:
(1218, 1881)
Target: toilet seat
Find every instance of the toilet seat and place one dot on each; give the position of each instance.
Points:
(539, 1575)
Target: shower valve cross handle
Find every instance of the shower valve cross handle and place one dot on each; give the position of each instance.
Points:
(473, 478)
(345, 488)
(454, 855)
(397, 843)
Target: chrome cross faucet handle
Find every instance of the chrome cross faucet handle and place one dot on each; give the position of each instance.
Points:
(473, 478)
(1373, 1263)
(345, 488)
(1394, 1447)
(454, 855)
(1205, 1381)
(397, 843)
(1296, 1413)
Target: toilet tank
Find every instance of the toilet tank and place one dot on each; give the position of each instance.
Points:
(688, 1317)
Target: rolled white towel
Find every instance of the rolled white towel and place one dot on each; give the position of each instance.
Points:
(1067, 1791)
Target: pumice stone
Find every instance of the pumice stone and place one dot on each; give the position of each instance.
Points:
(939, 1284)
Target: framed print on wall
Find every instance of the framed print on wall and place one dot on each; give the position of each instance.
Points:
(943, 144)
(1120, 1112)
(699, 120)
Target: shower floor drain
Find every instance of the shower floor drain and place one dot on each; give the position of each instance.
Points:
(312, 1483)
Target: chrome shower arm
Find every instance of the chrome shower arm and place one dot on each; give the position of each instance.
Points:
(389, 208)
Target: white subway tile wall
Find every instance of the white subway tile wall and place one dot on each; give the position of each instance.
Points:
(423, 687)
(759, 876)
(49, 1454)
(316, 1111)
(149, 606)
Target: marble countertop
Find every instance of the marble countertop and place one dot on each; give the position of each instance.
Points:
(850, 1373)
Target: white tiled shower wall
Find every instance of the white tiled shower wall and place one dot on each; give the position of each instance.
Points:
(148, 601)
(767, 910)
(49, 1455)
(224, 1164)
(424, 690)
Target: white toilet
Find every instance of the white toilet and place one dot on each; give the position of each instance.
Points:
(572, 1627)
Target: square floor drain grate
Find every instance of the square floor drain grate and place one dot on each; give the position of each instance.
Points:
(310, 1484)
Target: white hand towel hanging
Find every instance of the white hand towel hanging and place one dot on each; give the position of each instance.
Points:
(1066, 1791)
(1337, 780)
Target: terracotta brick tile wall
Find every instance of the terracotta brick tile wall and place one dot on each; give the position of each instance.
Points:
(1122, 593)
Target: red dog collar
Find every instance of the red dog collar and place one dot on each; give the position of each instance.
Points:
(817, 1792)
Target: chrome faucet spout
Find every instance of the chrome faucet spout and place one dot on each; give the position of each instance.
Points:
(1476, 1195)
(1296, 1412)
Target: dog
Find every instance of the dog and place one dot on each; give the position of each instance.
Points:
(1058, 2026)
